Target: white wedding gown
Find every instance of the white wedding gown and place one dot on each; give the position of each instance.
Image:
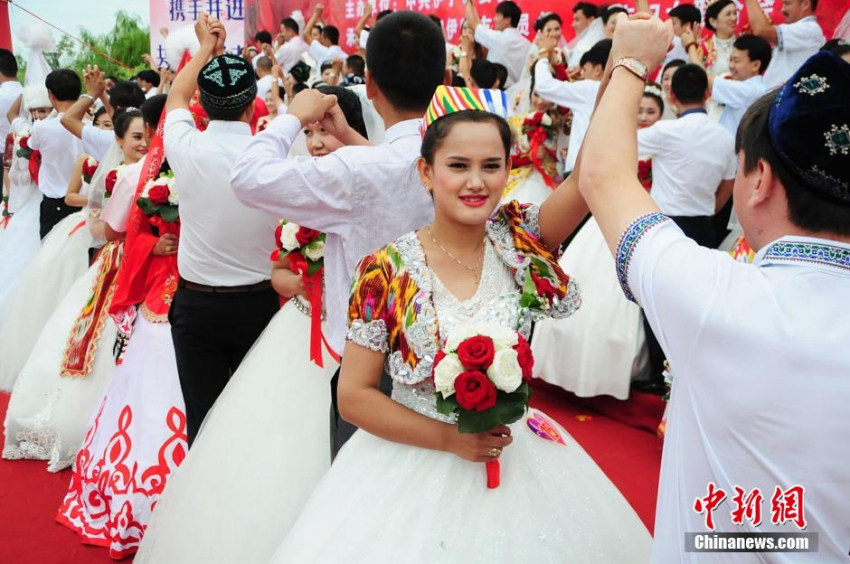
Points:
(599, 349)
(260, 452)
(387, 502)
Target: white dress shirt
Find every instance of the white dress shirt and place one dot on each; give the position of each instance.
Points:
(362, 197)
(690, 157)
(290, 53)
(323, 54)
(117, 208)
(96, 141)
(9, 92)
(59, 151)
(579, 96)
(760, 390)
(593, 34)
(264, 84)
(736, 96)
(222, 241)
(506, 47)
(796, 42)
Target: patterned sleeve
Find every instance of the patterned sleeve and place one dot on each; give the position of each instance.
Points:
(368, 304)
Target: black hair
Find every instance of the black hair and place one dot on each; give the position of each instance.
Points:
(686, 14)
(458, 81)
(149, 75)
(508, 9)
(64, 84)
(814, 4)
(689, 84)
(838, 47)
(382, 14)
(300, 71)
(440, 129)
(8, 64)
(331, 33)
(126, 94)
(598, 54)
(609, 11)
(111, 77)
(263, 37)
(325, 66)
(589, 10)
(655, 97)
(402, 41)
(434, 18)
(675, 63)
(100, 111)
(757, 48)
(122, 120)
(807, 208)
(546, 18)
(484, 73)
(713, 12)
(501, 74)
(290, 24)
(349, 103)
(298, 87)
(265, 62)
(152, 109)
(231, 114)
(356, 65)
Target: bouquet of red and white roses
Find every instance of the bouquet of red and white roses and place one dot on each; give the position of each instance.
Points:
(159, 198)
(482, 375)
(24, 151)
(89, 168)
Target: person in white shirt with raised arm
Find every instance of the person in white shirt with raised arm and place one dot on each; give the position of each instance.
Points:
(796, 40)
(590, 30)
(293, 47)
(360, 196)
(758, 352)
(326, 48)
(505, 43)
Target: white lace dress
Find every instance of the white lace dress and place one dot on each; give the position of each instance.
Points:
(383, 501)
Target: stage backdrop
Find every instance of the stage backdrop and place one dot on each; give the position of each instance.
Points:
(344, 14)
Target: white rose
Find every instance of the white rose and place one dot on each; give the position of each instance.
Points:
(90, 161)
(287, 236)
(173, 195)
(502, 336)
(505, 372)
(147, 189)
(445, 374)
(546, 120)
(315, 250)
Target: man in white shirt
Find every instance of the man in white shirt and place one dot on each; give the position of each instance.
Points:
(758, 351)
(265, 78)
(59, 149)
(362, 197)
(290, 52)
(148, 80)
(579, 96)
(683, 18)
(796, 40)
(505, 44)
(224, 298)
(589, 29)
(326, 48)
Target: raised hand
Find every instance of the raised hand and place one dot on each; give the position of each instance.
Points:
(310, 106)
(95, 81)
(206, 37)
(645, 39)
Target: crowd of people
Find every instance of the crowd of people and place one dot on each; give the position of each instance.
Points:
(275, 305)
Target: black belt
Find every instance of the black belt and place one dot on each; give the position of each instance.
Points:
(258, 287)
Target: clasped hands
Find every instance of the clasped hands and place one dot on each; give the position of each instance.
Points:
(311, 106)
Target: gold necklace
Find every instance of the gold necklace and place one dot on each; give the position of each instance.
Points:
(475, 271)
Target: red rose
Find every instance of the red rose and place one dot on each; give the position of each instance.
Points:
(24, 143)
(525, 358)
(111, 179)
(437, 358)
(158, 194)
(305, 236)
(544, 286)
(88, 168)
(277, 233)
(476, 353)
(475, 391)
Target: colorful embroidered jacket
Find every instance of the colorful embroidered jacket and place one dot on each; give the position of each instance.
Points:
(391, 308)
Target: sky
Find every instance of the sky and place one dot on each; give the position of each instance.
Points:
(97, 16)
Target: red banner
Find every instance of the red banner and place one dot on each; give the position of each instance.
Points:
(344, 14)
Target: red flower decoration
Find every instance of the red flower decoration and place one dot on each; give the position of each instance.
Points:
(475, 391)
(525, 358)
(305, 236)
(158, 194)
(88, 168)
(111, 179)
(544, 286)
(24, 143)
(476, 353)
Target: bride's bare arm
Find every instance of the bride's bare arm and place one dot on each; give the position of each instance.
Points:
(364, 405)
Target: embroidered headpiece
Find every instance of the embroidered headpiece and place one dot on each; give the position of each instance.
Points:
(809, 125)
(227, 83)
(449, 100)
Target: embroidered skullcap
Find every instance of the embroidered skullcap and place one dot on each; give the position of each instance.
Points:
(227, 83)
(36, 96)
(449, 100)
(809, 125)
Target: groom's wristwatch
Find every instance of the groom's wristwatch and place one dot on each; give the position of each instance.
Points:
(633, 65)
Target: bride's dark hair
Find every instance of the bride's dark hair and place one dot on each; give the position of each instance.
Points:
(440, 129)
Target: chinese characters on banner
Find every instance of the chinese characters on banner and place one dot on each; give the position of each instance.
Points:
(168, 16)
(786, 506)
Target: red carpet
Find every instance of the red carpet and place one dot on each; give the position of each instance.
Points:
(608, 430)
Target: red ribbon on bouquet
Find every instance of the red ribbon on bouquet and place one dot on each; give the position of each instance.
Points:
(313, 287)
(535, 141)
(494, 474)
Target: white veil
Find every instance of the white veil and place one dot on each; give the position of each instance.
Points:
(97, 189)
(373, 121)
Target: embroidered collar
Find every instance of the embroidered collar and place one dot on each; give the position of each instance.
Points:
(822, 252)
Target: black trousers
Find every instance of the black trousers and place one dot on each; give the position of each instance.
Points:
(341, 430)
(702, 230)
(212, 332)
(53, 210)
